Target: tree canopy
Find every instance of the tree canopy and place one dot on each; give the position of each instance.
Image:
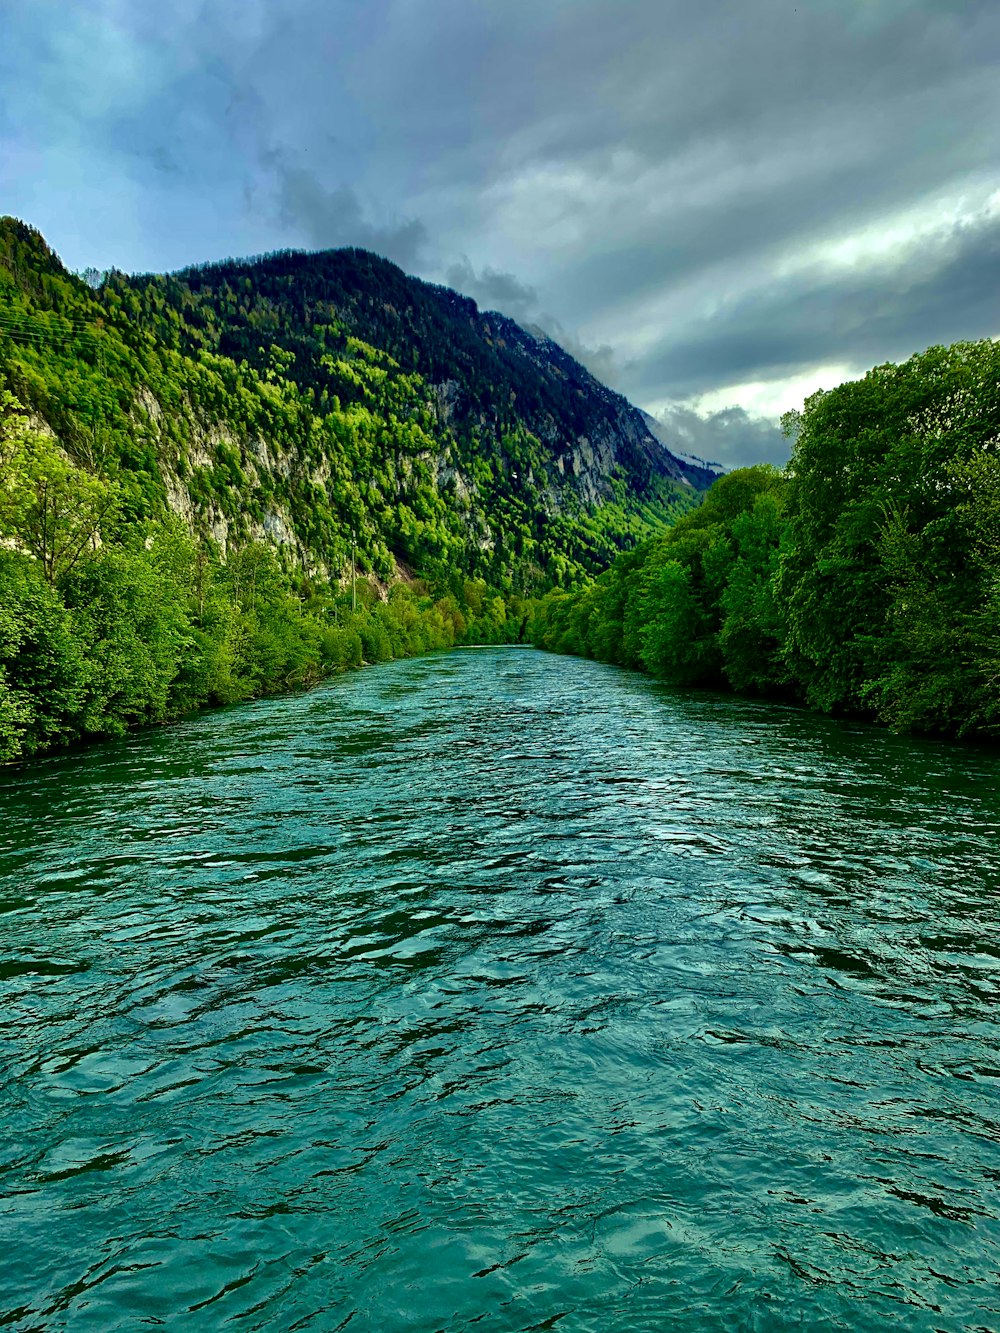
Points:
(864, 579)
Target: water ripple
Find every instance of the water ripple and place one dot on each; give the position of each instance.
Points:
(494, 992)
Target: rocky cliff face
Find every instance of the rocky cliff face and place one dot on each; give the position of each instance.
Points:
(617, 433)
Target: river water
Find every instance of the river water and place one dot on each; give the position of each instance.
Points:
(497, 991)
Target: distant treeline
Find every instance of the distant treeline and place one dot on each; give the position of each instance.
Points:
(864, 579)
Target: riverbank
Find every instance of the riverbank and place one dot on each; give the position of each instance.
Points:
(143, 635)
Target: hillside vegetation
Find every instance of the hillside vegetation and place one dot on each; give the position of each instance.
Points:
(236, 479)
(299, 399)
(239, 478)
(864, 580)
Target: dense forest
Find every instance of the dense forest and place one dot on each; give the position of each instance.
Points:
(236, 479)
(110, 620)
(862, 580)
(249, 397)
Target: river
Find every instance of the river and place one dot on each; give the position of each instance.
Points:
(495, 991)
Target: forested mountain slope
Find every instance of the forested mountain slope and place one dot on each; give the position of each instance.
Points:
(240, 478)
(488, 370)
(298, 399)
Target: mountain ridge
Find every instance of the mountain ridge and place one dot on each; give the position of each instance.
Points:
(320, 402)
(350, 267)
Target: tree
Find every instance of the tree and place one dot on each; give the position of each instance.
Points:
(676, 638)
(752, 633)
(886, 578)
(48, 506)
(42, 668)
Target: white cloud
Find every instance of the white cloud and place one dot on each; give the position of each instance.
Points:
(768, 398)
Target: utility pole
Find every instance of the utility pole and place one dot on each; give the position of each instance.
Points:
(354, 582)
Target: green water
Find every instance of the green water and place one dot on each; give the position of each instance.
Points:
(496, 991)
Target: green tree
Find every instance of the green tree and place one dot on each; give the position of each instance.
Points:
(49, 506)
(676, 637)
(43, 672)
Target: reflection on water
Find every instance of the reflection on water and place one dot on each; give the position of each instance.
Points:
(494, 991)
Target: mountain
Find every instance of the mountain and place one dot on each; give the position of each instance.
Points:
(308, 400)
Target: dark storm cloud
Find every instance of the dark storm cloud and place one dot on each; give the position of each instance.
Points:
(652, 182)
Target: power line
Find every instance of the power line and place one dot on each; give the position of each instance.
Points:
(48, 335)
(59, 324)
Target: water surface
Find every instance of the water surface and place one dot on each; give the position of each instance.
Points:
(495, 991)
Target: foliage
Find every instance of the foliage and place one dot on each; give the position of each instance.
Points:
(52, 508)
(312, 402)
(865, 580)
(107, 625)
(145, 632)
(241, 478)
(139, 624)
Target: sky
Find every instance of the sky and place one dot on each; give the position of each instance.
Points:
(718, 206)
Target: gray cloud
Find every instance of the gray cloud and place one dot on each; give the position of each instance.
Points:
(732, 438)
(944, 291)
(602, 361)
(492, 290)
(327, 218)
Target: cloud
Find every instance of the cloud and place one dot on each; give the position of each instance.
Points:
(327, 218)
(943, 290)
(732, 438)
(602, 361)
(493, 290)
